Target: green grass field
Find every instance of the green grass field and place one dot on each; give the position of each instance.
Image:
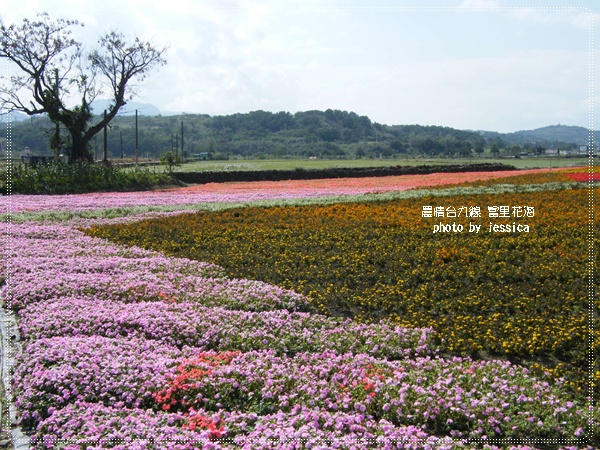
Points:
(290, 164)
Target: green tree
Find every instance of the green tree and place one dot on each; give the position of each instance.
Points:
(387, 152)
(171, 160)
(495, 149)
(479, 148)
(398, 146)
(465, 151)
(515, 149)
(50, 65)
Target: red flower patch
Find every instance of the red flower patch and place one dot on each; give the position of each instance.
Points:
(189, 373)
(583, 176)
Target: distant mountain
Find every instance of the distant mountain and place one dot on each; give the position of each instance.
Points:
(145, 109)
(563, 133)
(173, 113)
(549, 135)
(16, 117)
(98, 107)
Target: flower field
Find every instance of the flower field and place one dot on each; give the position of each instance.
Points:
(517, 295)
(258, 190)
(348, 325)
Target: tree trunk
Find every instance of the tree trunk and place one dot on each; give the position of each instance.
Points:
(80, 150)
(76, 121)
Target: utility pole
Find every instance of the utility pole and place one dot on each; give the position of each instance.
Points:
(57, 150)
(182, 141)
(121, 133)
(136, 137)
(104, 158)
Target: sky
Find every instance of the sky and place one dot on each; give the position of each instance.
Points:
(497, 65)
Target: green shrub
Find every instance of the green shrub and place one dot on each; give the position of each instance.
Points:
(171, 160)
(58, 177)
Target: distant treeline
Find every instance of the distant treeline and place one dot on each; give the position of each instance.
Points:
(261, 134)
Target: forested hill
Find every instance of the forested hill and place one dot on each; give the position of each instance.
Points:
(549, 135)
(330, 133)
(563, 133)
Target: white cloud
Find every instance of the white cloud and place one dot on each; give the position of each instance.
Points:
(253, 20)
(479, 4)
(242, 55)
(579, 18)
(461, 93)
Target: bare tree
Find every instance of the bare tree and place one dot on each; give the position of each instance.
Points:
(52, 67)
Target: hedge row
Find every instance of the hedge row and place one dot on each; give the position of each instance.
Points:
(346, 172)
